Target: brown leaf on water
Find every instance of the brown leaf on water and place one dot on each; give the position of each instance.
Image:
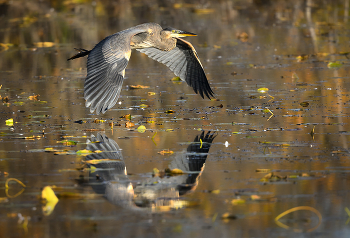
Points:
(243, 36)
(5, 99)
(138, 86)
(34, 97)
(129, 124)
(127, 117)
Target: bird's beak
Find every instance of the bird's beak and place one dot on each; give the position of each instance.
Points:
(179, 33)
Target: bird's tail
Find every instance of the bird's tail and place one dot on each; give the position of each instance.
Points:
(81, 53)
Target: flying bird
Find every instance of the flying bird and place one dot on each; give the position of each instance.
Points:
(108, 59)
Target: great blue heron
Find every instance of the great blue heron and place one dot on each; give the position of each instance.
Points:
(108, 59)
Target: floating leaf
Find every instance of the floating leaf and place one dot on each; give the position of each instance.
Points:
(151, 93)
(127, 117)
(44, 44)
(243, 36)
(263, 90)
(169, 111)
(176, 171)
(335, 64)
(143, 106)
(237, 201)
(51, 200)
(9, 122)
(304, 104)
(98, 161)
(141, 129)
(129, 124)
(84, 152)
(35, 97)
(68, 142)
(216, 191)
(302, 57)
(169, 130)
(164, 152)
(176, 79)
(50, 149)
(263, 170)
(99, 121)
(138, 86)
(19, 103)
(155, 172)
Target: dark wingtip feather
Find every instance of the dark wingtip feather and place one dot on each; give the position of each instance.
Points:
(81, 53)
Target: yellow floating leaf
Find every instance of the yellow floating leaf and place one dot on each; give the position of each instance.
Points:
(143, 106)
(169, 130)
(84, 152)
(335, 64)
(177, 171)
(263, 90)
(44, 44)
(9, 122)
(19, 103)
(263, 170)
(98, 161)
(164, 152)
(237, 201)
(51, 200)
(176, 79)
(155, 172)
(138, 86)
(67, 142)
(151, 93)
(49, 149)
(99, 121)
(302, 57)
(216, 191)
(141, 129)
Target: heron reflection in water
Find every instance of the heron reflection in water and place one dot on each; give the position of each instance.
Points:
(108, 59)
(110, 177)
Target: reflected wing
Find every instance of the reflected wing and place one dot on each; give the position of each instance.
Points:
(184, 62)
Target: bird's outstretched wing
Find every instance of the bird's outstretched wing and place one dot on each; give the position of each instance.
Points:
(105, 73)
(184, 62)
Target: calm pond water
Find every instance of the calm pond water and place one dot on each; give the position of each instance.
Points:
(247, 157)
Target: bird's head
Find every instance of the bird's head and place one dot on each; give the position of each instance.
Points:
(172, 32)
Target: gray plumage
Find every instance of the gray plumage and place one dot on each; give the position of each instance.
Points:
(108, 59)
